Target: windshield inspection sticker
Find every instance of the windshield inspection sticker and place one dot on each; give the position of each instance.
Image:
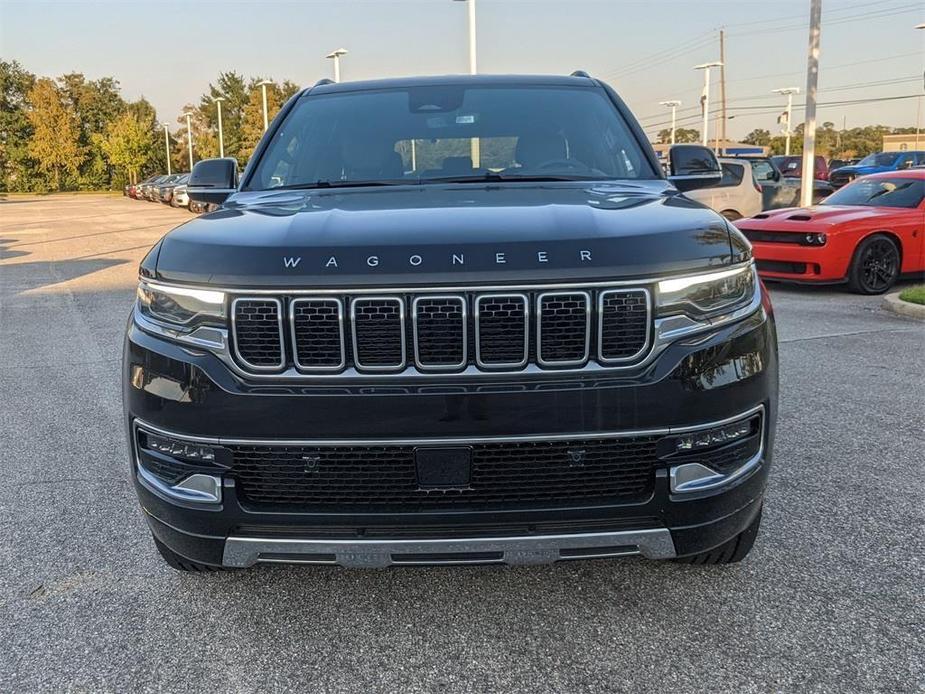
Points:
(460, 120)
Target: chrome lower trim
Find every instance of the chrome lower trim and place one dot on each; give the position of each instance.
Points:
(423, 441)
(359, 553)
(198, 488)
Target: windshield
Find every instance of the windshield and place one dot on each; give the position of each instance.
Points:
(882, 159)
(880, 192)
(451, 133)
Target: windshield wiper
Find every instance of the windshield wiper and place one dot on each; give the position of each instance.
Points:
(341, 184)
(491, 176)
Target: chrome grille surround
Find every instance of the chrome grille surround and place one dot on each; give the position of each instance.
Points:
(601, 302)
(294, 307)
(378, 302)
(502, 365)
(540, 312)
(419, 361)
(243, 300)
(662, 332)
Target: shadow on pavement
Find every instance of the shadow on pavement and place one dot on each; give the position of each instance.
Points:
(21, 277)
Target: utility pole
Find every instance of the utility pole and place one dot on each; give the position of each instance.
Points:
(474, 144)
(221, 138)
(788, 131)
(189, 138)
(263, 85)
(705, 99)
(673, 105)
(722, 81)
(812, 83)
(167, 144)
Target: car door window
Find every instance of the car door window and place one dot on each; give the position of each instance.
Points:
(762, 171)
(732, 175)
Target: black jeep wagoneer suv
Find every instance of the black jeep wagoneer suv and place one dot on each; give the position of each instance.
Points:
(449, 321)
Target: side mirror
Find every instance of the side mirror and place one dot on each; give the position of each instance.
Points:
(774, 176)
(906, 164)
(692, 167)
(213, 180)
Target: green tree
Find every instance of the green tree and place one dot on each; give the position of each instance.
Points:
(681, 135)
(252, 118)
(96, 103)
(759, 137)
(127, 144)
(233, 88)
(55, 142)
(17, 170)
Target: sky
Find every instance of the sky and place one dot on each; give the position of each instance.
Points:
(170, 51)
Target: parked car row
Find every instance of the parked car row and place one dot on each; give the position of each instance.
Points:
(169, 189)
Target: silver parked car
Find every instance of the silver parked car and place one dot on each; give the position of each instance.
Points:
(738, 195)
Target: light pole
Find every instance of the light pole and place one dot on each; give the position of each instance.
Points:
(673, 105)
(789, 92)
(221, 138)
(167, 144)
(705, 98)
(812, 82)
(475, 150)
(918, 108)
(189, 138)
(263, 85)
(335, 56)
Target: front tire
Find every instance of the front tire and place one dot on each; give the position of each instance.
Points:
(875, 266)
(730, 552)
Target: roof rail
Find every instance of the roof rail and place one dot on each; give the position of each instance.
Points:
(324, 80)
(580, 73)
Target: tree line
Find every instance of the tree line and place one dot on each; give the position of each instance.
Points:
(831, 143)
(73, 133)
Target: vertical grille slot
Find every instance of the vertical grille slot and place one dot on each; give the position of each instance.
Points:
(502, 330)
(378, 333)
(440, 332)
(318, 333)
(258, 333)
(624, 316)
(563, 328)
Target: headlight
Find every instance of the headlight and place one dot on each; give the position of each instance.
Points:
(701, 295)
(179, 306)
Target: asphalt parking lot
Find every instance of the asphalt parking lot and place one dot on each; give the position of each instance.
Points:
(830, 599)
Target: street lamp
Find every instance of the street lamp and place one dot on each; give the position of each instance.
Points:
(263, 85)
(789, 92)
(167, 144)
(335, 56)
(221, 140)
(705, 97)
(918, 107)
(673, 105)
(189, 137)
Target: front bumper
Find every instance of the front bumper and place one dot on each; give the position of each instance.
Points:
(793, 262)
(692, 384)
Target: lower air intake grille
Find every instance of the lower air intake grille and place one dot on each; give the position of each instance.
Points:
(624, 324)
(258, 333)
(545, 472)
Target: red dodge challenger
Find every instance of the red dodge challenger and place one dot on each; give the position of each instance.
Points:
(867, 234)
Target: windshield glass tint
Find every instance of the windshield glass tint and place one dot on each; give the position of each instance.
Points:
(880, 192)
(439, 132)
(882, 159)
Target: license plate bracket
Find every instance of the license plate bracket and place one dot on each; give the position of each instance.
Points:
(449, 466)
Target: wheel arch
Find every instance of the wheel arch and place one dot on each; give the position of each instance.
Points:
(893, 236)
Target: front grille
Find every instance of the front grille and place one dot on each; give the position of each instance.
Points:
(491, 331)
(534, 472)
(794, 237)
(258, 332)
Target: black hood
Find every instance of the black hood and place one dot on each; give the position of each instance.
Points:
(447, 234)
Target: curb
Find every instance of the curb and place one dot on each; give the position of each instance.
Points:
(892, 302)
